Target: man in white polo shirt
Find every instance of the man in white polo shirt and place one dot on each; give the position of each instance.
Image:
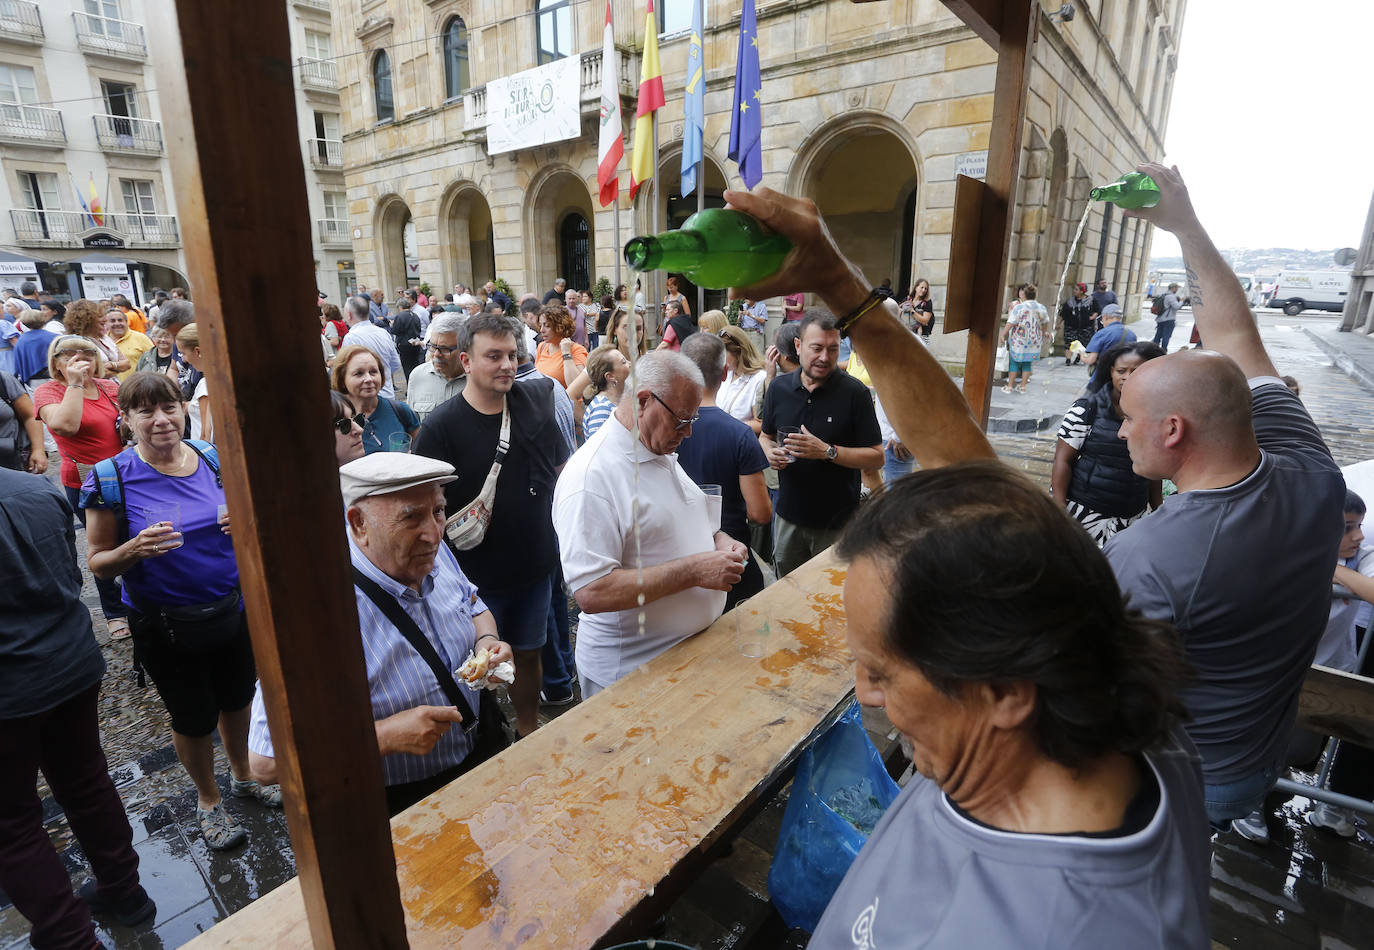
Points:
(680, 560)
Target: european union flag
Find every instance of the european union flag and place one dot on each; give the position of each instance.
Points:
(746, 121)
(694, 107)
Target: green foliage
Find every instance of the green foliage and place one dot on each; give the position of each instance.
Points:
(732, 310)
(602, 288)
(513, 310)
(424, 288)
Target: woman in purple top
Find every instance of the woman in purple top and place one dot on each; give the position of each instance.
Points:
(155, 519)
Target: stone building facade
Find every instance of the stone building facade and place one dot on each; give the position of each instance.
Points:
(870, 109)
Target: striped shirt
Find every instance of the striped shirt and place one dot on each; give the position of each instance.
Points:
(398, 678)
(598, 411)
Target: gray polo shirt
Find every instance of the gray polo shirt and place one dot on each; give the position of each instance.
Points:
(1244, 573)
(428, 389)
(930, 877)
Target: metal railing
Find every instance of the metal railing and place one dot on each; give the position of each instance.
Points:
(36, 125)
(325, 153)
(20, 20)
(122, 133)
(66, 228)
(333, 230)
(102, 34)
(319, 73)
(314, 4)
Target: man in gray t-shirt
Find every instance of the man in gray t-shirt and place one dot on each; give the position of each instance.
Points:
(1169, 306)
(1240, 560)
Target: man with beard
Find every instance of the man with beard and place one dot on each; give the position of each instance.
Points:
(819, 432)
(1076, 316)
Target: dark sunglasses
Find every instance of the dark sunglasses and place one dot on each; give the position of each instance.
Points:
(345, 425)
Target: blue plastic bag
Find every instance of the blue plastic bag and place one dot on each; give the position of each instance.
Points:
(840, 792)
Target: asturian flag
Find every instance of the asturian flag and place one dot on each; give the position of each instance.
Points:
(612, 148)
(746, 119)
(694, 105)
(650, 101)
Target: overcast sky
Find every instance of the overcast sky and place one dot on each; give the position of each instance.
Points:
(1272, 125)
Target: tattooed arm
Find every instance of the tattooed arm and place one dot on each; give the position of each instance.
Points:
(1220, 309)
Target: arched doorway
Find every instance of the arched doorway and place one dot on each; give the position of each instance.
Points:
(556, 244)
(466, 237)
(395, 244)
(674, 208)
(862, 175)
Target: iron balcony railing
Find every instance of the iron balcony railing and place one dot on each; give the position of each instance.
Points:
(32, 125)
(102, 34)
(325, 153)
(20, 20)
(122, 133)
(319, 73)
(333, 230)
(66, 228)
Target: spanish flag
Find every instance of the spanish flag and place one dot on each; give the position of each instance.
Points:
(97, 214)
(650, 100)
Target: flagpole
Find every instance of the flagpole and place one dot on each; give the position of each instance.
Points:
(656, 217)
(615, 243)
(701, 206)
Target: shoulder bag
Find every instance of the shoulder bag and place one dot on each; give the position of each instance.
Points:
(466, 529)
(487, 729)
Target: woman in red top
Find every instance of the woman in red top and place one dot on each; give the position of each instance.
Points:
(81, 409)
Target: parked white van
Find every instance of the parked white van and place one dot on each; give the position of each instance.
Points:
(1299, 290)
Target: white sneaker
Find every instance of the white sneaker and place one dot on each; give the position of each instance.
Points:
(1332, 818)
(1252, 827)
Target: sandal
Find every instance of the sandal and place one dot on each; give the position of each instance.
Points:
(269, 795)
(1006, 389)
(220, 829)
(119, 628)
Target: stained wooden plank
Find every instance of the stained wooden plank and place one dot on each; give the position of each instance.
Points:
(985, 17)
(1334, 703)
(585, 823)
(963, 254)
(246, 227)
(1017, 31)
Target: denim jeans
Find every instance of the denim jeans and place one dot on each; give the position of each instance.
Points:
(111, 603)
(894, 468)
(559, 668)
(1241, 797)
(1163, 330)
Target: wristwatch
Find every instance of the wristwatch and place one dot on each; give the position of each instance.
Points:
(831, 452)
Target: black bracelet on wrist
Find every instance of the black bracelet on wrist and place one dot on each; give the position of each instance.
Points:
(875, 297)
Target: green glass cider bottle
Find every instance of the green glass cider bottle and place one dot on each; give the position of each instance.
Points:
(715, 248)
(1132, 190)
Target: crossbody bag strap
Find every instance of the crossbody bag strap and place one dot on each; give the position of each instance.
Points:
(409, 629)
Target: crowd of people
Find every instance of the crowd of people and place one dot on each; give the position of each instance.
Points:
(1090, 682)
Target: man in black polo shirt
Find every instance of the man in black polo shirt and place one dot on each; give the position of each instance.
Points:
(831, 434)
(519, 552)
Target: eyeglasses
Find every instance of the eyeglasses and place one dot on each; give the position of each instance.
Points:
(441, 350)
(345, 425)
(681, 422)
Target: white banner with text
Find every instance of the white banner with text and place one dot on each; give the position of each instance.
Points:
(536, 107)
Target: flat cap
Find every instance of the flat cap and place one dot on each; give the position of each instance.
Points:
(382, 473)
(1111, 310)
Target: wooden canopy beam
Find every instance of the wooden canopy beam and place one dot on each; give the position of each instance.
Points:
(226, 79)
(1015, 22)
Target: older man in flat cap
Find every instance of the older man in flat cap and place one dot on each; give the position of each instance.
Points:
(402, 571)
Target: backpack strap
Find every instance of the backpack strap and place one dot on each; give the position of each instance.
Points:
(210, 455)
(111, 485)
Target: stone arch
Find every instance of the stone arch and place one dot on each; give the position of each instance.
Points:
(673, 209)
(868, 223)
(467, 246)
(389, 222)
(556, 192)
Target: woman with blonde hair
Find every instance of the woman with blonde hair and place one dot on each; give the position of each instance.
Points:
(86, 318)
(198, 407)
(744, 377)
(607, 369)
(712, 321)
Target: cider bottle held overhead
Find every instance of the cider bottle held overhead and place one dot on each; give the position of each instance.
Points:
(1133, 190)
(715, 248)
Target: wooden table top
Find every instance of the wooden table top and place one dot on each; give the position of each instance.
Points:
(556, 840)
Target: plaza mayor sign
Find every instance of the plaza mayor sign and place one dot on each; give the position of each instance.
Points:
(535, 107)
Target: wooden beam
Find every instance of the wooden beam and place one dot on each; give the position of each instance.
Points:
(1018, 24)
(225, 76)
(987, 17)
(963, 253)
(1333, 703)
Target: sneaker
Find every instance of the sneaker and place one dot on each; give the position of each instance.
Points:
(220, 829)
(1332, 818)
(134, 909)
(269, 795)
(546, 700)
(1252, 827)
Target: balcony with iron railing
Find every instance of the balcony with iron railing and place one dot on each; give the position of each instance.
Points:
(319, 74)
(627, 82)
(122, 133)
(325, 153)
(68, 228)
(20, 21)
(32, 125)
(107, 36)
(333, 232)
(314, 5)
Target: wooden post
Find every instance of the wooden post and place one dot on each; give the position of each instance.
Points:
(234, 148)
(1015, 26)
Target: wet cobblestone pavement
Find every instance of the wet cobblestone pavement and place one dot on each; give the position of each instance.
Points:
(1307, 888)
